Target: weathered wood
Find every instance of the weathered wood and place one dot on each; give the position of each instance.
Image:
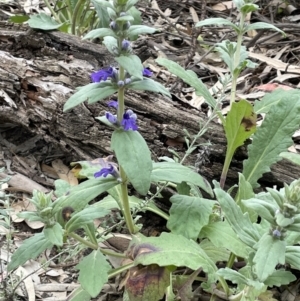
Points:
(39, 71)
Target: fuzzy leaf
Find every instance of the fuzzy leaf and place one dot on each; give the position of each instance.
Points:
(177, 173)
(295, 158)
(190, 77)
(91, 92)
(93, 272)
(79, 294)
(132, 64)
(43, 21)
(99, 33)
(280, 277)
(263, 25)
(148, 84)
(292, 256)
(239, 222)
(222, 236)
(84, 217)
(188, 215)
(54, 234)
(139, 29)
(30, 249)
(215, 21)
(270, 252)
(171, 250)
(134, 156)
(272, 137)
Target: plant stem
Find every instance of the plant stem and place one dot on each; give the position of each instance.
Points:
(75, 13)
(125, 203)
(124, 190)
(95, 247)
(230, 260)
(237, 57)
(55, 15)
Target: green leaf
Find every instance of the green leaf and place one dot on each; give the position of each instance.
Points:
(54, 234)
(280, 277)
(239, 279)
(295, 158)
(30, 249)
(92, 92)
(190, 78)
(177, 173)
(111, 44)
(134, 156)
(18, 18)
(263, 208)
(101, 9)
(272, 137)
(61, 187)
(43, 21)
(188, 215)
(93, 272)
(84, 217)
(215, 254)
(79, 294)
(233, 276)
(240, 125)
(216, 21)
(148, 84)
(135, 30)
(99, 33)
(263, 25)
(239, 222)
(222, 236)
(270, 252)
(132, 64)
(272, 99)
(125, 19)
(292, 256)
(130, 3)
(80, 195)
(171, 250)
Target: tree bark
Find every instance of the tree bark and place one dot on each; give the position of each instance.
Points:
(38, 73)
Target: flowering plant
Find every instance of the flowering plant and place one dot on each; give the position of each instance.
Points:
(227, 228)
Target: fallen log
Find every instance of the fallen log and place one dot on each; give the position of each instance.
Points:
(38, 73)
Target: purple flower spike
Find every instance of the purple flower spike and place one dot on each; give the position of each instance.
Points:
(129, 121)
(103, 74)
(147, 72)
(113, 104)
(111, 118)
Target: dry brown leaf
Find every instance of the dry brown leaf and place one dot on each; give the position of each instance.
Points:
(64, 172)
(28, 283)
(225, 5)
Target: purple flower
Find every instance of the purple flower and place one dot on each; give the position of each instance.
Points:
(129, 121)
(111, 118)
(121, 83)
(103, 74)
(113, 25)
(147, 72)
(276, 233)
(127, 81)
(107, 169)
(125, 45)
(113, 104)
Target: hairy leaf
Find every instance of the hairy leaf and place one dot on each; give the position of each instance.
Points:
(54, 234)
(79, 294)
(93, 272)
(188, 215)
(43, 21)
(99, 33)
(270, 252)
(272, 137)
(148, 84)
(30, 249)
(134, 156)
(295, 158)
(177, 173)
(190, 78)
(222, 236)
(292, 256)
(239, 222)
(280, 277)
(84, 217)
(132, 64)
